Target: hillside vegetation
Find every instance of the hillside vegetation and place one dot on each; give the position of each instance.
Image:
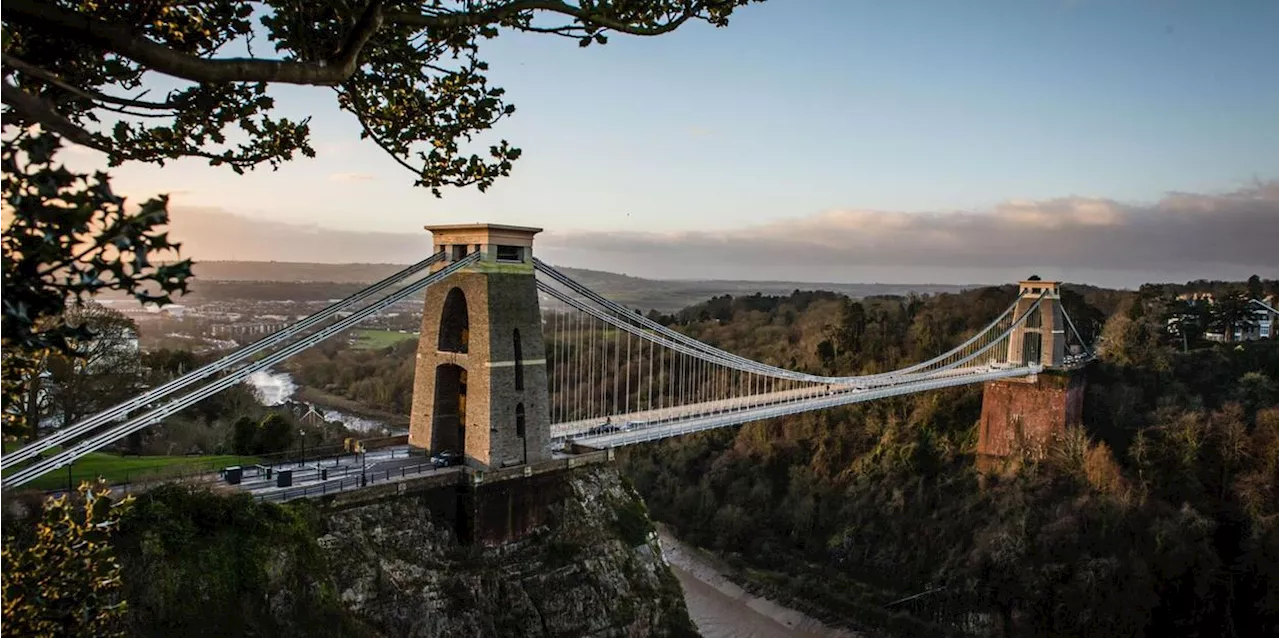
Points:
(1157, 518)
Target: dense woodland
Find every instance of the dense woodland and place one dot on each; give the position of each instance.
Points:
(1157, 518)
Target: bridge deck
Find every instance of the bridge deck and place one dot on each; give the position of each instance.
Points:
(685, 419)
(397, 467)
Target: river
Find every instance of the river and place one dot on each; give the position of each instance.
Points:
(274, 388)
(721, 609)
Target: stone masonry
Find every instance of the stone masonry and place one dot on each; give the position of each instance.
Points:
(501, 298)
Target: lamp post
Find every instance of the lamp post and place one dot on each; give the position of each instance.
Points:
(302, 437)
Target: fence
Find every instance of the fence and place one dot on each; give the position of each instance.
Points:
(333, 486)
(344, 483)
(205, 470)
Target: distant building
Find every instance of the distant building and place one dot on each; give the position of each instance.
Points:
(172, 310)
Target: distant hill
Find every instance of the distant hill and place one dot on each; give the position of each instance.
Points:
(660, 294)
(294, 272)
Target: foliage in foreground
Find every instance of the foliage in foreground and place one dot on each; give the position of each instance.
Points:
(63, 579)
(69, 238)
(201, 563)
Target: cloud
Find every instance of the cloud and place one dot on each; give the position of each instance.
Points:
(350, 178)
(1083, 239)
(1093, 240)
(216, 234)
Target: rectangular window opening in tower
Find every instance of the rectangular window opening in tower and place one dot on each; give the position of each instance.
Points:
(511, 253)
(519, 356)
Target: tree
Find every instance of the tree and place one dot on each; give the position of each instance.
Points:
(243, 433)
(1255, 391)
(66, 581)
(1254, 287)
(853, 323)
(1133, 342)
(68, 238)
(73, 70)
(101, 371)
(1187, 321)
(168, 364)
(826, 352)
(1230, 311)
(409, 71)
(275, 434)
(1085, 317)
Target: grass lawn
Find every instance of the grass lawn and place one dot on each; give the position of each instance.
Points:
(378, 339)
(119, 469)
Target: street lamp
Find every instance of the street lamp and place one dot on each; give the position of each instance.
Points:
(364, 478)
(302, 434)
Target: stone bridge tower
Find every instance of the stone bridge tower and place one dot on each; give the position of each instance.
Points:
(480, 382)
(1021, 417)
(1042, 338)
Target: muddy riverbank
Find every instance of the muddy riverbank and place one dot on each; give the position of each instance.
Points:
(722, 609)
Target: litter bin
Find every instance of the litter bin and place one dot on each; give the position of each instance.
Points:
(284, 478)
(233, 474)
(324, 474)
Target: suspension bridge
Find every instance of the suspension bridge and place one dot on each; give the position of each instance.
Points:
(519, 364)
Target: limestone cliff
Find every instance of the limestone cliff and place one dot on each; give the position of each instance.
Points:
(200, 564)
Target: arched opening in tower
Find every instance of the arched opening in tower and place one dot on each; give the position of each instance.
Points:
(455, 325)
(1031, 347)
(448, 423)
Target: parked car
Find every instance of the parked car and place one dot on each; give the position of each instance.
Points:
(447, 458)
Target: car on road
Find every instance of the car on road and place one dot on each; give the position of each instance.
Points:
(604, 429)
(447, 458)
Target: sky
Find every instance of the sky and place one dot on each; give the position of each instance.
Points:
(1111, 142)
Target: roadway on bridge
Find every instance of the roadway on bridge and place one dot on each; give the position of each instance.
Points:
(660, 424)
(332, 475)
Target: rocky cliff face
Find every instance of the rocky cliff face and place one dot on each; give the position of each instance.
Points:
(391, 568)
(399, 573)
